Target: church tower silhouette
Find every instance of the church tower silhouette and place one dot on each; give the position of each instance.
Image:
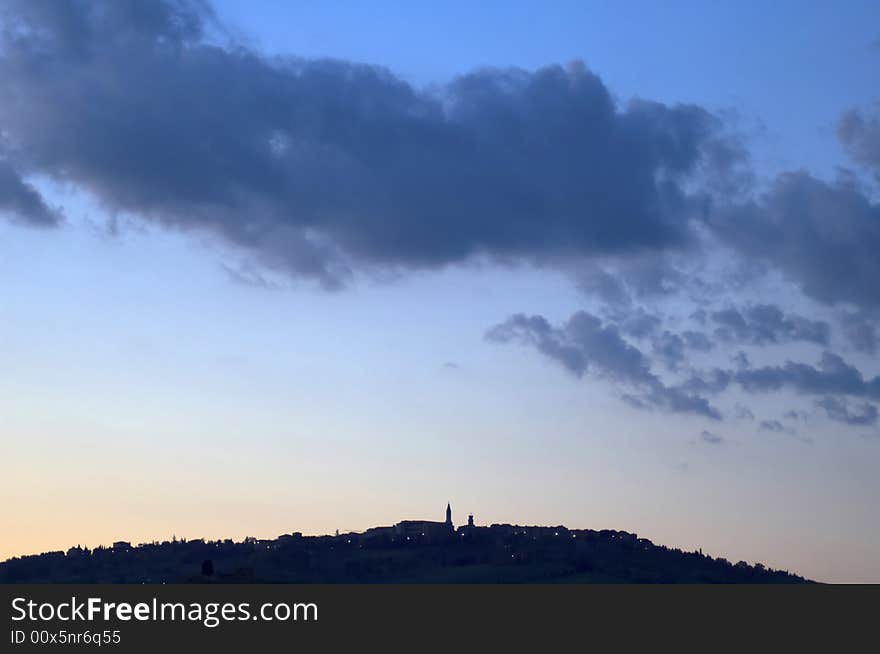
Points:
(449, 515)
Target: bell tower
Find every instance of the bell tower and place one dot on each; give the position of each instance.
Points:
(449, 515)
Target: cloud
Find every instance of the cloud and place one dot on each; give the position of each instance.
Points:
(247, 274)
(777, 427)
(598, 282)
(838, 410)
(860, 330)
(833, 376)
(763, 324)
(666, 346)
(583, 342)
(822, 236)
(648, 273)
(711, 381)
(318, 167)
(860, 135)
(697, 341)
(585, 345)
(774, 426)
(669, 348)
(638, 323)
(711, 438)
(21, 202)
(741, 360)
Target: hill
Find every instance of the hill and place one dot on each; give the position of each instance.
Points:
(410, 552)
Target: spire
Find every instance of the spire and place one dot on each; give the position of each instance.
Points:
(448, 514)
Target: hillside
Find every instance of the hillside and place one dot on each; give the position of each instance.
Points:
(495, 554)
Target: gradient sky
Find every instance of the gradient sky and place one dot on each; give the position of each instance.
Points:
(245, 291)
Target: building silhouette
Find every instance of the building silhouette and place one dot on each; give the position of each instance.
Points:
(410, 530)
(426, 529)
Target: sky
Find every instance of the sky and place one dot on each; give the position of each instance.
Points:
(272, 267)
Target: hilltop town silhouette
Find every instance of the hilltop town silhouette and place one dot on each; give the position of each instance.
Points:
(410, 551)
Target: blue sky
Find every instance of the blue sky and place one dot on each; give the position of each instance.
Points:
(194, 347)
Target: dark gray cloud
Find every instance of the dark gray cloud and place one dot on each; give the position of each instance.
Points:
(711, 438)
(741, 360)
(860, 330)
(860, 134)
(774, 426)
(777, 427)
(22, 202)
(836, 409)
(697, 341)
(583, 342)
(669, 348)
(823, 236)
(701, 316)
(709, 382)
(585, 345)
(763, 324)
(833, 376)
(834, 380)
(672, 349)
(620, 282)
(315, 167)
(638, 323)
(597, 282)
